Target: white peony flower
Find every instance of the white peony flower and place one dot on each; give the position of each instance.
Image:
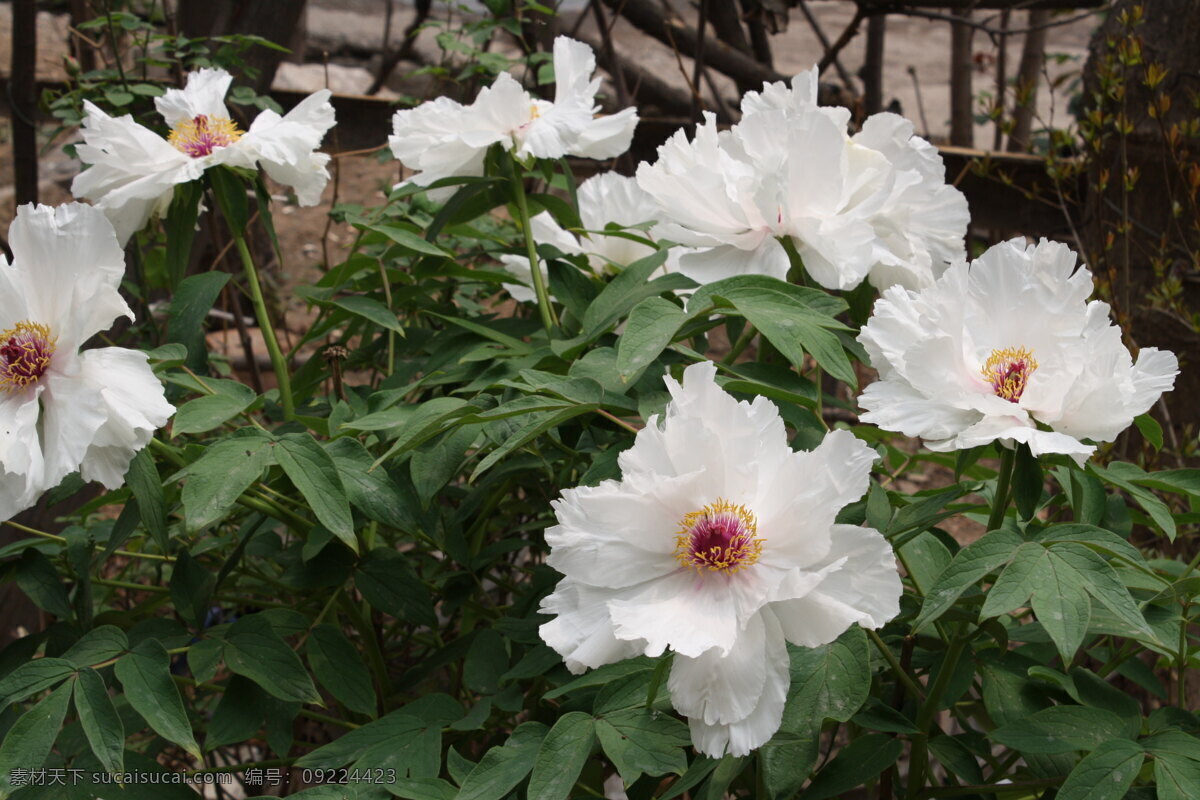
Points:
(134, 171)
(875, 204)
(63, 410)
(1004, 349)
(606, 198)
(443, 138)
(719, 544)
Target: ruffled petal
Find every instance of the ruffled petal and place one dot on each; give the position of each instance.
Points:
(612, 536)
(706, 676)
(134, 404)
(864, 590)
(203, 95)
(133, 170)
(582, 632)
(285, 146)
(22, 470)
(68, 267)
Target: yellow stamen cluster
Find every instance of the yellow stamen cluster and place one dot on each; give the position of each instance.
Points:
(202, 134)
(1008, 371)
(719, 537)
(25, 353)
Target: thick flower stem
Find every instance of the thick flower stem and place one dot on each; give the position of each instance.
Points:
(1008, 458)
(919, 762)
(278, 362)
(549, 320)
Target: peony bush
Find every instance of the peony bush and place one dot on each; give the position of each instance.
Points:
(627, 536)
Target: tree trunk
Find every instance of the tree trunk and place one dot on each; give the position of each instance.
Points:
(275, 20)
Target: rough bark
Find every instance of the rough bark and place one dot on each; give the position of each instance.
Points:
(1029, 75)
(24, 100)
(275, 20)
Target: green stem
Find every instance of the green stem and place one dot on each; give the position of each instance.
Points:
(919, 762)
(549, 320)
(62, 540)
(743, 341)
(278, 362)
(1008, 459)
(911, 685)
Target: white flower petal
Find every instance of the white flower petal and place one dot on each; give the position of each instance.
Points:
(865, 590)
(22, 468)
(122, 383)
(133, 170)
(204, 95)
(682, 611)
(582, 632)
(612, 537)
(716, 263)
(68, 266)
(739, 736)
(285, 146)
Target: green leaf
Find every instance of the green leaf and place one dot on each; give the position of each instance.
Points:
(371, 310)
(787, 761)
(1102, 582)
(792, 326)
(217, 479)
(191, 589)
(31, 737)
(408, 240)
(239, 714)
(1027, 482)
(639, 740)
(562, 756)
(501, 769)
(626, 290)
(956, 758)
(40, 581)
(1123, 475)
(253, 649)
(373, 492)
(189, 306)
(203, 658)
(651, 326)
(1150, 429)
(1106, 773)
(1060, 601)
(32, 677)
(1176, 777)
(229, 399)
(423, 789)
(230, 192)
(971, 564)
(340, 669)
(143, 480)
(391, 730)
(1061, 729)
(828, 682)
(313, 472)
(859, 761)
(388, 583)
(487, 660)
(101, 724)
(535, 427)
(1015, 584)
(181, 229)
(145, 672)
(99, 644)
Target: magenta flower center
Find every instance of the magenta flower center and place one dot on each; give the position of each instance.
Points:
(719, 537)
(1008, 371)
(25, 353)
(199, 136)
